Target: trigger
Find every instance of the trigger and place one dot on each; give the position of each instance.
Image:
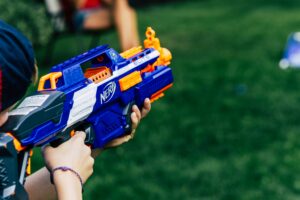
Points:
(90, 135)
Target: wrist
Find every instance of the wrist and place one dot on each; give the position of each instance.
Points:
(66, 177)
(67, 185)
(60, 176)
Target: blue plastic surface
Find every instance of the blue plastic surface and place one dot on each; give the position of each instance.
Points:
(107, 116)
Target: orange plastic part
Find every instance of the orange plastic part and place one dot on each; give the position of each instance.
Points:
(28, 169)
(98, 74)
(17, 144)
(152, 42)
(154, 98)
(72, 133)
(159, 93)
(19, 148)
(149, 68)
(164, 58)
(130, 80)
(131, 52)
(52, 77)
(93, 71)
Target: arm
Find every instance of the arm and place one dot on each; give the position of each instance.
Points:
(73, 154)
(38, 184)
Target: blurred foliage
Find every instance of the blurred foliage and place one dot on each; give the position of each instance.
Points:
(147, 3)
(29, 17)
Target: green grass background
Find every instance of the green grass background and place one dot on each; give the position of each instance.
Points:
(229, 128)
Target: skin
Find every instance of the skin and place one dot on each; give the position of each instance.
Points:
(4, 116)
(76, 155)
(117, 13)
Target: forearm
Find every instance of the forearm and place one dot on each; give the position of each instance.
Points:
(67, 186)
(38, 185)
(126, 24)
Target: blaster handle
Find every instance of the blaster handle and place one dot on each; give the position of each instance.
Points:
(70, 132)
(13, 166)
(127, 113)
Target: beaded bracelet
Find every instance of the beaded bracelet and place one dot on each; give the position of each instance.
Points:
(64, 168)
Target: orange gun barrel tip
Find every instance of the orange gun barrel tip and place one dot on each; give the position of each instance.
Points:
(150, 32)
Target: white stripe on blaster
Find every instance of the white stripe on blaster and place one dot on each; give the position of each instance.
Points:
(85, 99)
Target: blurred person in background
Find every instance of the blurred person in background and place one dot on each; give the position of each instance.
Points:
(102, 14)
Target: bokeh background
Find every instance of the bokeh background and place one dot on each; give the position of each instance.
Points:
(230, 126)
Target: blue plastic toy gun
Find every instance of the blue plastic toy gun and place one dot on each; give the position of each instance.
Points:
(93, 92)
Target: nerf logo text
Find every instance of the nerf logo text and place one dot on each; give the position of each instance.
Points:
(108, 92)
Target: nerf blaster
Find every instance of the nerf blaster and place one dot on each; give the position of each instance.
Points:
(93, 92)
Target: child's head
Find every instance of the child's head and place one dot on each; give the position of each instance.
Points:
(17, 67)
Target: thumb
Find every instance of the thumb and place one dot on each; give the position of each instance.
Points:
(80, 134)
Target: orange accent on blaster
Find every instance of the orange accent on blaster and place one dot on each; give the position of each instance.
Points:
(159, 93)
(17, 144)
(52, 77)
(130, 80)
(93, 71)
(131, 52)
(28, 169)
(152, 41)
(149, 68)
(154, 98)
(98, 74)
(72, 133)
(164, 58)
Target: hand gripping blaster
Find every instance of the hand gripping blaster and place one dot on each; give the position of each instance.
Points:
(93, 92)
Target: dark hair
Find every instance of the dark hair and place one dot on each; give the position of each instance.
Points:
(16, 65)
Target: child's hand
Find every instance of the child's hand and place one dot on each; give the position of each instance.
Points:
(73, 154)
(136, 117)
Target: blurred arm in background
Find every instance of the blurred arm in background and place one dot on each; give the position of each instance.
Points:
(96, 14)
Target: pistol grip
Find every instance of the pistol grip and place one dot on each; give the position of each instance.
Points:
(67, 134)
